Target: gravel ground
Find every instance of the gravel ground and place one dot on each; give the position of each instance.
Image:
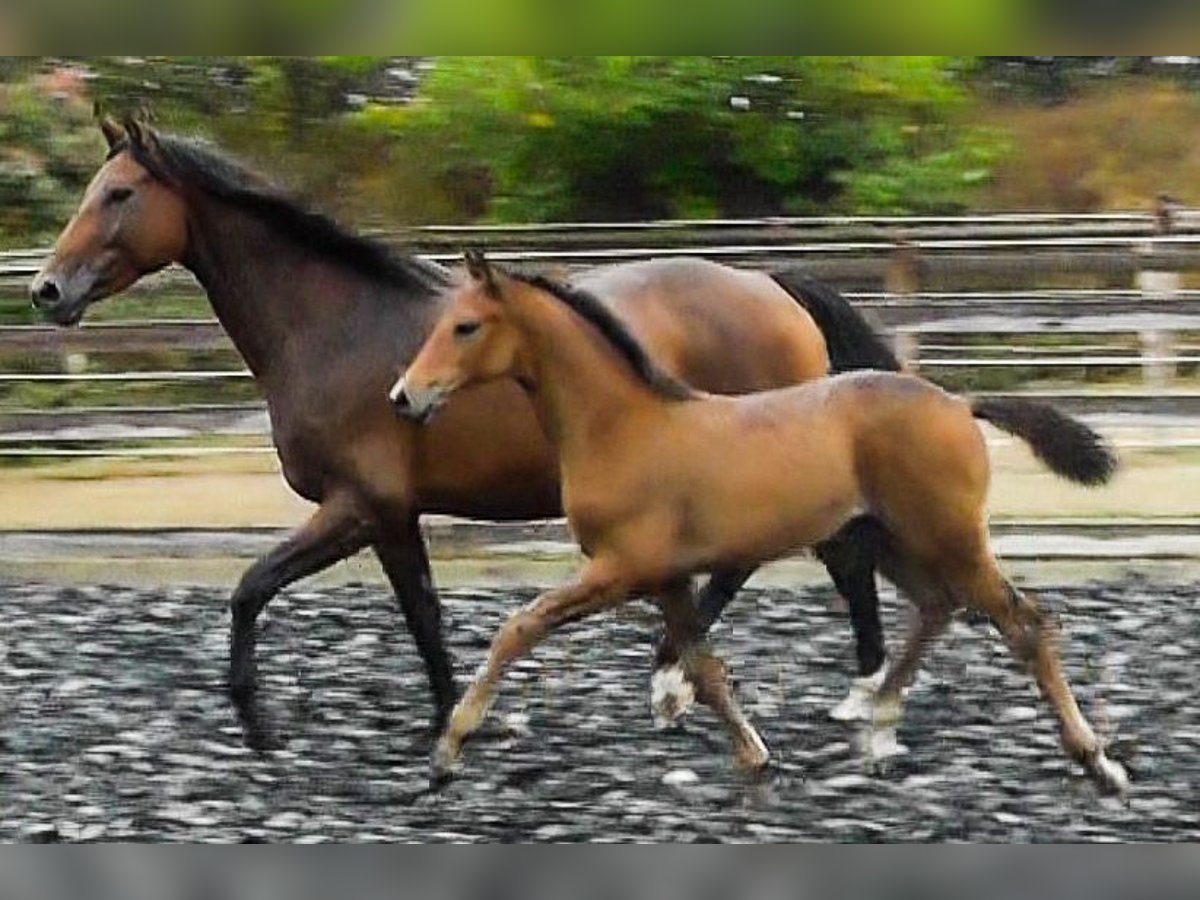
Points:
(115, 726)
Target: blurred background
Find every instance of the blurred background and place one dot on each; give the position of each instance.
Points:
(382, 141)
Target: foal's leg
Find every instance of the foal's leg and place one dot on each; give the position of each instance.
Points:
(932, 609)
(671, 692)
(596, 590)
(1031, 638)
(851, 556)
(706, 673)
(402, 553)
(333, 533)
(929, 622)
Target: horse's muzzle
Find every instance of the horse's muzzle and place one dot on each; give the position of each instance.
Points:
(59, 301)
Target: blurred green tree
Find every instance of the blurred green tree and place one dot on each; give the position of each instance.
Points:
(609, 137)
(380, 140)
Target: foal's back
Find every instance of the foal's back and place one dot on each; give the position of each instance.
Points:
(755, 477)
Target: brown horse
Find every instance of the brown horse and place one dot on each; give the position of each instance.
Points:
(661, 482)
(323, 318)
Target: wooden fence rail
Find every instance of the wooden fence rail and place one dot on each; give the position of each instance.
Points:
(936, 284)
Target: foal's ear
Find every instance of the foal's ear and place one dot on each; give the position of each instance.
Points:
(108, 126)
(481, 271)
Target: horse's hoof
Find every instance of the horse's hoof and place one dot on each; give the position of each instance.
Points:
(671, 695)
(859, 703)
(258, 732)
(857, 706)
(876, 744)
(1109, 774)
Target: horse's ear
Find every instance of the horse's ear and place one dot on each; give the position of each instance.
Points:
(108, 126)
(139, 133)
(481, 271)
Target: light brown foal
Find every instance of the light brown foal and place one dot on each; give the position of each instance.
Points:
(661, 483)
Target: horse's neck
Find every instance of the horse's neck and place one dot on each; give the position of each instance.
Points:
(275, 297)
(583, 390)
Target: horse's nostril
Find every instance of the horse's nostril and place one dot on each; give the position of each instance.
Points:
(45, 291)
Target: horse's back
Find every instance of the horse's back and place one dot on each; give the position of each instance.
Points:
(720, 329)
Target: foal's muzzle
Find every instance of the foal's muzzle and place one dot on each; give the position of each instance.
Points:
(414, 405)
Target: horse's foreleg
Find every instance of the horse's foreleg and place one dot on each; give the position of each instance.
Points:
(402, 554)
(671, 693)
(706, 673)
(595, 591)
(333, 533)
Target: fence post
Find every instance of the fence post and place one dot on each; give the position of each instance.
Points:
(907, 344)
(1153, 282)
(1158, 363)
(903, 273)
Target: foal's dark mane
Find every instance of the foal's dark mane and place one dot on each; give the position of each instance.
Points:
(589, 307)
(194, 162)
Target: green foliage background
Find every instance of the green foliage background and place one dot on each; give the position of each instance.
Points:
(403, 140)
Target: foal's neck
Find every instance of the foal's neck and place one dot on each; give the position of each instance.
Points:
(581, 388)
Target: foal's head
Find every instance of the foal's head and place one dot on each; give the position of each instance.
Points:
(474, 341)
(128, 224)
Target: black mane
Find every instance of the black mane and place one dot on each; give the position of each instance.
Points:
(196, 163)
(614, 331)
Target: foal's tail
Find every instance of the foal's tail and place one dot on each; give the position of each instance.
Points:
(1066, 445)
(849, 338)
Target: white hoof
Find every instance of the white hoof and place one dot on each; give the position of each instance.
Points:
(876, 744)
(859, 704)
(1110, 774)
(671, 695)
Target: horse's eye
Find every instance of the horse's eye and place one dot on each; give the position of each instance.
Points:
(118, 195)
(466, 329)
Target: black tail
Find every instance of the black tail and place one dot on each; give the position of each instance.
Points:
(1066, 445)
(849, 338)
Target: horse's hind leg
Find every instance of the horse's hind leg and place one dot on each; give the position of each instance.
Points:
(334, 532)
(851, 556)
(1031, 638)
(706, 672)
(402, 554)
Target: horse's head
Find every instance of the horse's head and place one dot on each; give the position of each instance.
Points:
(474, 341)
(129, 223)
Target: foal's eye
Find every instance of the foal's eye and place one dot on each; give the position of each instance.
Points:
(466, 329)
(118, 195)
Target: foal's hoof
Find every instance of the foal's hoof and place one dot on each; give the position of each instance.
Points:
(671, 695)
(752, 757)
(442, 763)
(1109, 774)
